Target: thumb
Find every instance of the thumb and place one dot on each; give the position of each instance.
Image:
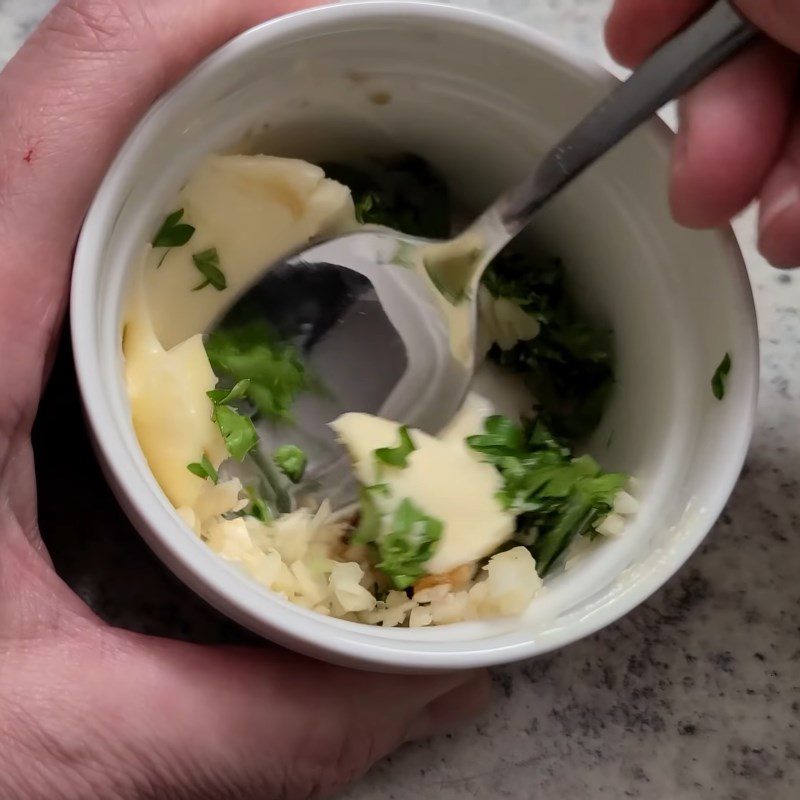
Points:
(69, 98)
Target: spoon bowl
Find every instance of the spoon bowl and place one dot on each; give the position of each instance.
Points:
(377, 335)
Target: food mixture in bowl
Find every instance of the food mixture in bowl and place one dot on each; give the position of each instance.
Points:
(457, 526)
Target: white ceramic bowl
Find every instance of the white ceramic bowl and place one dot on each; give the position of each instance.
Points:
(479, 96)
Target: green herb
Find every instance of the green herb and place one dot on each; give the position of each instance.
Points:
(204, 469)
(291, 461)
(556, 497)
(257, 507)
(568, 365)
(364, 206)
(275, 370)
(172, 233)
(207, 263)
(369, 521)
(404, 540)
(409, 543)
(237, 430)
(397, 456)
(228, 396)
(403, 193)
(720, 377)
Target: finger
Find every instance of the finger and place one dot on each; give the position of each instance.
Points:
(69, 98)
(779, 216)
(732, 127)
(780, 19)
(637, 27)
(269, 723)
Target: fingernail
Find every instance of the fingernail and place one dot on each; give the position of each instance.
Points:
(777, 227)
(681, 139)
(784, 193)
(452, 709)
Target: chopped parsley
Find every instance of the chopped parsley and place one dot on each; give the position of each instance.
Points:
(404, 540)
(228, 396)
(397, 456)
(403, 193)
(237, 429)
(568, 365)
(257, 507)
(363, 207)
(556, 497)
(369, 520)
(204, 469)
(207, 263)
(720, 377)
(291, 461)
(275, 370)
(408, 544)
(172, 233)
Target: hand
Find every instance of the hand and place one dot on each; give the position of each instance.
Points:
(739, 137)
(86, 710)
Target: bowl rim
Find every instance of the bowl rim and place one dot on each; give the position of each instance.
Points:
(304, 632)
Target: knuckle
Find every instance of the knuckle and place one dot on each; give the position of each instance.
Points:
(98, 26)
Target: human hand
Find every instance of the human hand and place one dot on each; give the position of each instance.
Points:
(739, 137)
(86, 710)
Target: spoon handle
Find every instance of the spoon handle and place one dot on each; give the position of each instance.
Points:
(677, 66)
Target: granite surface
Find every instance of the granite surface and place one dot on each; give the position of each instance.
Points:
(696, 694)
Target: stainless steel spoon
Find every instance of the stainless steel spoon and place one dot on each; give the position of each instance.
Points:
(388, 321)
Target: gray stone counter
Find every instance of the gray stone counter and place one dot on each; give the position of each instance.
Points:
(696, 694)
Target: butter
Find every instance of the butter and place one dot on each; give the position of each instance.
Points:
(443, 478)
(170, 410)
(253, 210)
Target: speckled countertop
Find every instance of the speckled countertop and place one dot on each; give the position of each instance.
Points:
(696, 694)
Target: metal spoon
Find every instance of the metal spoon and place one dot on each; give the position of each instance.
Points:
(388, 321)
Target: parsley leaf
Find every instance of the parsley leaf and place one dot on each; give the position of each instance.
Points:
(172, 233)
(204, 469)
(257, 507)
(237, 430)
(397, 456)
(568, 365)
(275, 370)
(228, 396)
(207, 263)
(370, 517)
(291, 461)
(556, 497)
(410, 541)
(719, 379)
(403, 193)
(363, 206)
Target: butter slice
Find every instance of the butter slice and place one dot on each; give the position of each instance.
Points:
(171, 412)
(253, 210)
(443, 478)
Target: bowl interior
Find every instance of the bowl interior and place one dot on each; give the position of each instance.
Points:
(479, 98)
